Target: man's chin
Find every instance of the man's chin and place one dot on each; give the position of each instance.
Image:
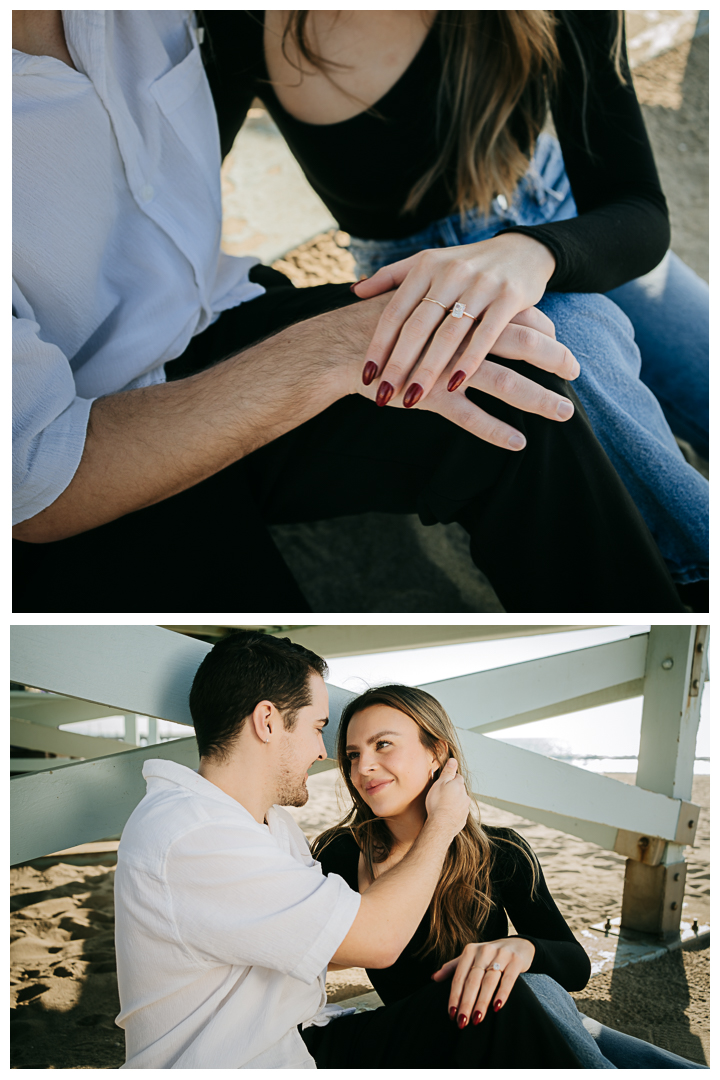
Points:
(295, 796)
(299, 798)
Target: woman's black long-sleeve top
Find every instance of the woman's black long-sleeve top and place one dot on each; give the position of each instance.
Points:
(536, 919)
(363, 168)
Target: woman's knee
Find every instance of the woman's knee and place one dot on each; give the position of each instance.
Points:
(595, 329)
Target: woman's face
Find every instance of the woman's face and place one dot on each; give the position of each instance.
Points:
(389, 766)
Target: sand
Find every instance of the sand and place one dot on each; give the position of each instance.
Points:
(64, 988)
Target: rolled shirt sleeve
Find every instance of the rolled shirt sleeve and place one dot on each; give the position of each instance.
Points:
(49, 421)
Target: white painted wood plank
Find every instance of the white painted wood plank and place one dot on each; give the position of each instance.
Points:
(84, 801)
(487, 696)
(518, 776)
(602, 835)
(51, 741)
(356, 640)
(36, 764)
(135, 669)
(607, 696)
(53, 709)
(338, 698)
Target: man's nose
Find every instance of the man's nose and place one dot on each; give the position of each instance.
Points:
(323, 753)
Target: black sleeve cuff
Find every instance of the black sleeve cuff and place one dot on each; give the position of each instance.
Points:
(565, 961)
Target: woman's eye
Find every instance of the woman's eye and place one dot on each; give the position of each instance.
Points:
(352, 755)
(380, 743)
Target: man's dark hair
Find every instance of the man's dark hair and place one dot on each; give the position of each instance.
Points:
(240, 671)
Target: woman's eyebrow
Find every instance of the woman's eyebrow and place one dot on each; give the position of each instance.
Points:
(372, 738)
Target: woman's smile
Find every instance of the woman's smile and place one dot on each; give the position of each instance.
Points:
(373, 786)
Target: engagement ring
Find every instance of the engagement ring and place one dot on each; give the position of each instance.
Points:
(458, 309)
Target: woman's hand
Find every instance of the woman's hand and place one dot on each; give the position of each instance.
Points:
(475, 980)
(530, 337)
(495, 279)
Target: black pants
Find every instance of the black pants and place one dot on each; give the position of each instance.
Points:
(552, 525)
(417, 1033)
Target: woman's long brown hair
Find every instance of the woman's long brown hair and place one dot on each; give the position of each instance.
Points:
(497, 65)
(463, 897)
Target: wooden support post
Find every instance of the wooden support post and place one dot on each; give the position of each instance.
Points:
(131, 728)
(652, 897)
(674, 680)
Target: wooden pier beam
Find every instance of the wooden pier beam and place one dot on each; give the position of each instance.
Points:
(674, 679)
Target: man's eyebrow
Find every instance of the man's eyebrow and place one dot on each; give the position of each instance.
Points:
(324, 722)
(372, 738)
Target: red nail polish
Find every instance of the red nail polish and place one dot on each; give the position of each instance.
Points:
(458, 378)
(497, 1005)
(413, 395)
(356, 283)
(462, 1021)
(477, 1017)
(452, 1013)
(385, 392)
(369, 372)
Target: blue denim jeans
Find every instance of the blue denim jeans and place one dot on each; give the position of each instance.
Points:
(597, 1046)
(658, 323)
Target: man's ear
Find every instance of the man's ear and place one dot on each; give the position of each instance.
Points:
(263, 720)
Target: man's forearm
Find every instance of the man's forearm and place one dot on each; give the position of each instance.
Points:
(392, 908)
(145, 445)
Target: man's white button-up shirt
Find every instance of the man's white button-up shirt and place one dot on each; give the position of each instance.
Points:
(116, 229)
(224, 930)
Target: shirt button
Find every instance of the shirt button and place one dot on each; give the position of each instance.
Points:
(147, 192)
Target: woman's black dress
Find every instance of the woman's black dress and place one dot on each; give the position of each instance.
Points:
(414, 1029)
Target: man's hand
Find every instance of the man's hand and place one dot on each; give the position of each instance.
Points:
(447, 801)
(145, 445)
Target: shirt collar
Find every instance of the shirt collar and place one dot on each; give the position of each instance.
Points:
(181, 775)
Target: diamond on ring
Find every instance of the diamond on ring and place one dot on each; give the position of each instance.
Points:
(458, 310)
(496, 967)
